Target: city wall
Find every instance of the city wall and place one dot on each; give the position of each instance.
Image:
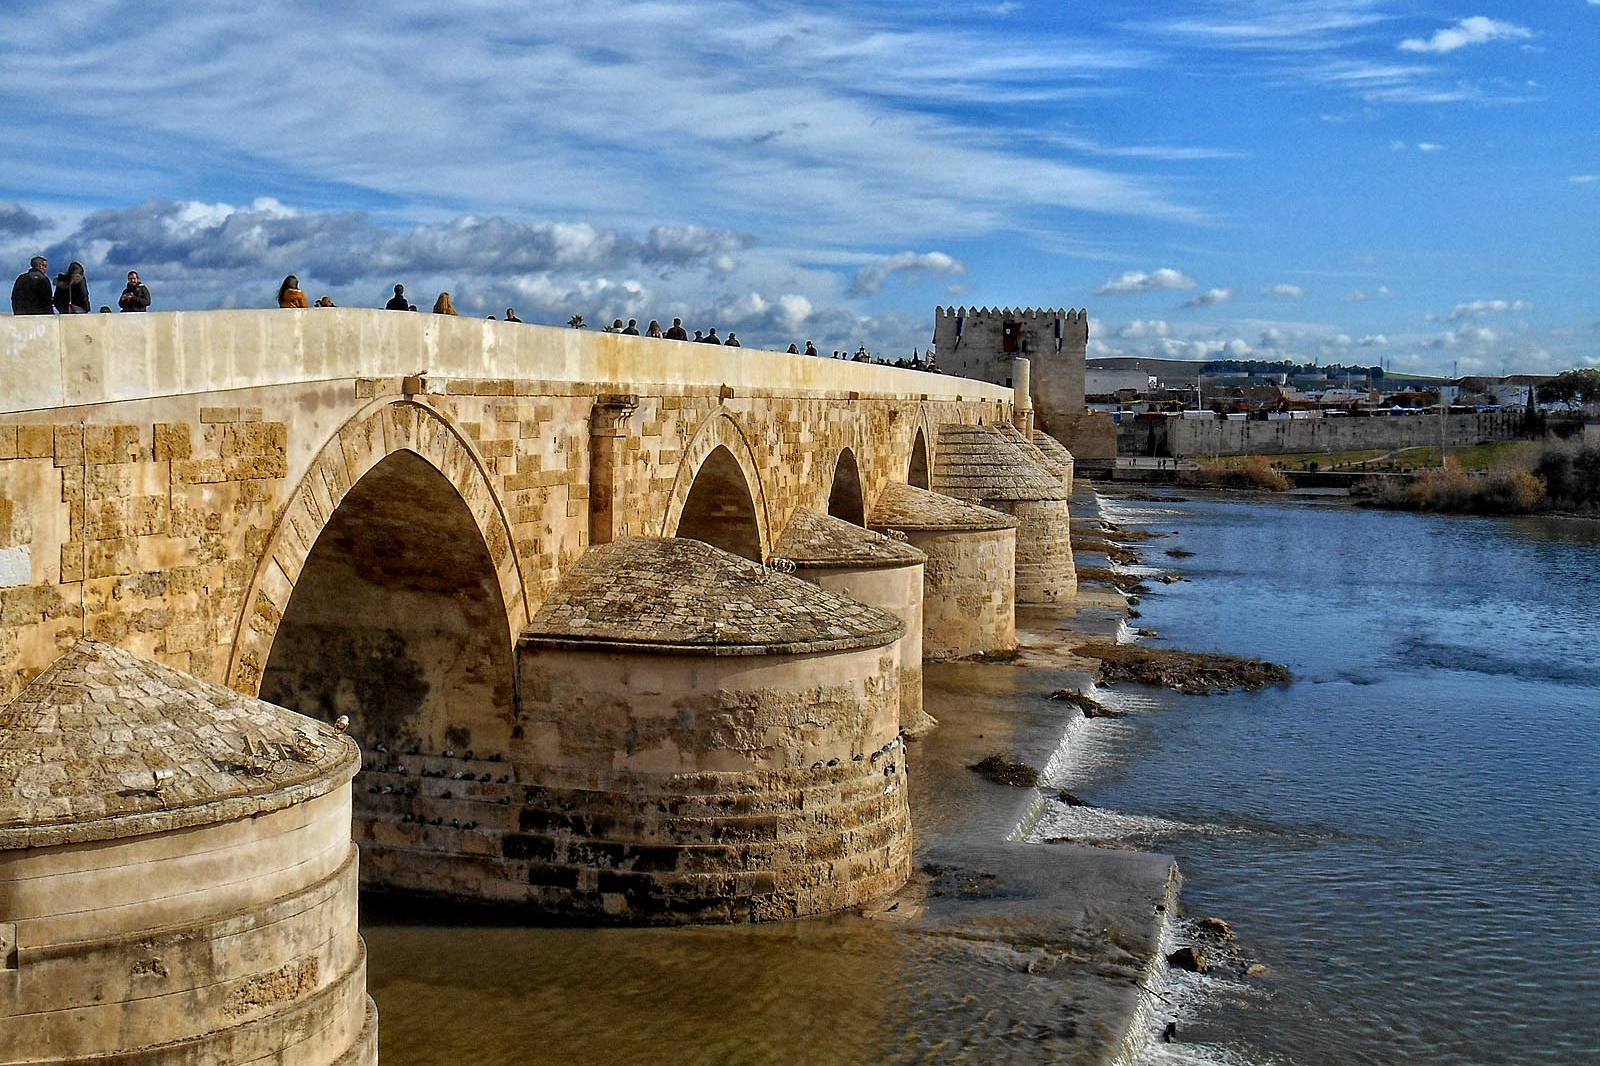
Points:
(1191, 437)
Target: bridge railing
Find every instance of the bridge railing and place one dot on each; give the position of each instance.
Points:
(72, 360)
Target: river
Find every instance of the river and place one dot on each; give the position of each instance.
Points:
(1408, 836)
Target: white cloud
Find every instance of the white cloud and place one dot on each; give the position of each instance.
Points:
(1373, 340)
(1209, 298)
(1284, 290)
(1136, 281)
(1485, 307)
(1465, 337)
(1585, 179)
(1474, 30)
(910, 265)
(1380, 293)
(1144, 329)
(1429, 146)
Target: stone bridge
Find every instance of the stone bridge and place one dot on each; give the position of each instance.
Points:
(362, 512)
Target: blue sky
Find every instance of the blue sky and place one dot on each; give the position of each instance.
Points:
(1358, 181)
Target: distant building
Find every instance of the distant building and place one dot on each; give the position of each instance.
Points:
(982, 342)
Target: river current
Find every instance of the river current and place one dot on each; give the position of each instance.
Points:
(1408, 836)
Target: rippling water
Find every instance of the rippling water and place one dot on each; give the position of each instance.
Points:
(1409, 835)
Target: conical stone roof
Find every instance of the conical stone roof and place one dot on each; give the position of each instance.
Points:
(686, 597)
(822, 542)
(1053, 449)
(905, 507)
(979, 463)
(104, 744)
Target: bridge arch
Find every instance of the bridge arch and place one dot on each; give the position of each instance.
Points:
(845, 499)
(918, 470)
(396, 517)
(717, 495)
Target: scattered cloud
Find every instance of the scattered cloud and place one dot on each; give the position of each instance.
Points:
(1429, 146)
(1484, 307)
(1373, 340)
(1209, 298)
(1284, 290)
(910, 265)
(1382, 292)
(1474, 30)
(1137, 281)
(1585, 179)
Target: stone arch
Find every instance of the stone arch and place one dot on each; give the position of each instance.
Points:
(717, 495)
(438, 458)
(920, 466)
(845, 498)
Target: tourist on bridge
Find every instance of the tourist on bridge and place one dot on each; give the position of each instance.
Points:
(632, 328)
(135, 295)
(811, 349)
(511, 315)
(398, 301)
(732, 341)
(444, 305)
(653, 330)
(676, 332)
(794, 349)
(324, 301)
(30, 293)
(289, 294)
(712, 338)
(72, 291)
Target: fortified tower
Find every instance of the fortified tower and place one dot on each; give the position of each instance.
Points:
(982, 342)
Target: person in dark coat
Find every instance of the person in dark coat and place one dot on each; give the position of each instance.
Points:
(676, 332)
(72, 291)
(732, 341)
(31, 292)
(136, 296)
(398, 301)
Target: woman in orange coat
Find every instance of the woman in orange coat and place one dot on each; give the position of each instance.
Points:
(289, 294)
(444, 305)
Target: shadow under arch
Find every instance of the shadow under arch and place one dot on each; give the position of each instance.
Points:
(720, 510)
(917, 473)
(717, 496)
(397, 620)
(844, 498)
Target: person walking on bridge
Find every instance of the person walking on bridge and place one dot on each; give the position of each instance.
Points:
(398, 301)
(31, 293)
(676, 332)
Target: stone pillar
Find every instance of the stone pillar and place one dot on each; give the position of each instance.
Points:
(1022, 406)
(607, 424)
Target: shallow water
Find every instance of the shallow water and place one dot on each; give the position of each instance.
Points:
(1406, 836)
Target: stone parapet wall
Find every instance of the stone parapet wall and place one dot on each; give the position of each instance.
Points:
(76, 360)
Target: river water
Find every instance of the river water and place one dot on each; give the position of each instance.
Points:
(1408, 836)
